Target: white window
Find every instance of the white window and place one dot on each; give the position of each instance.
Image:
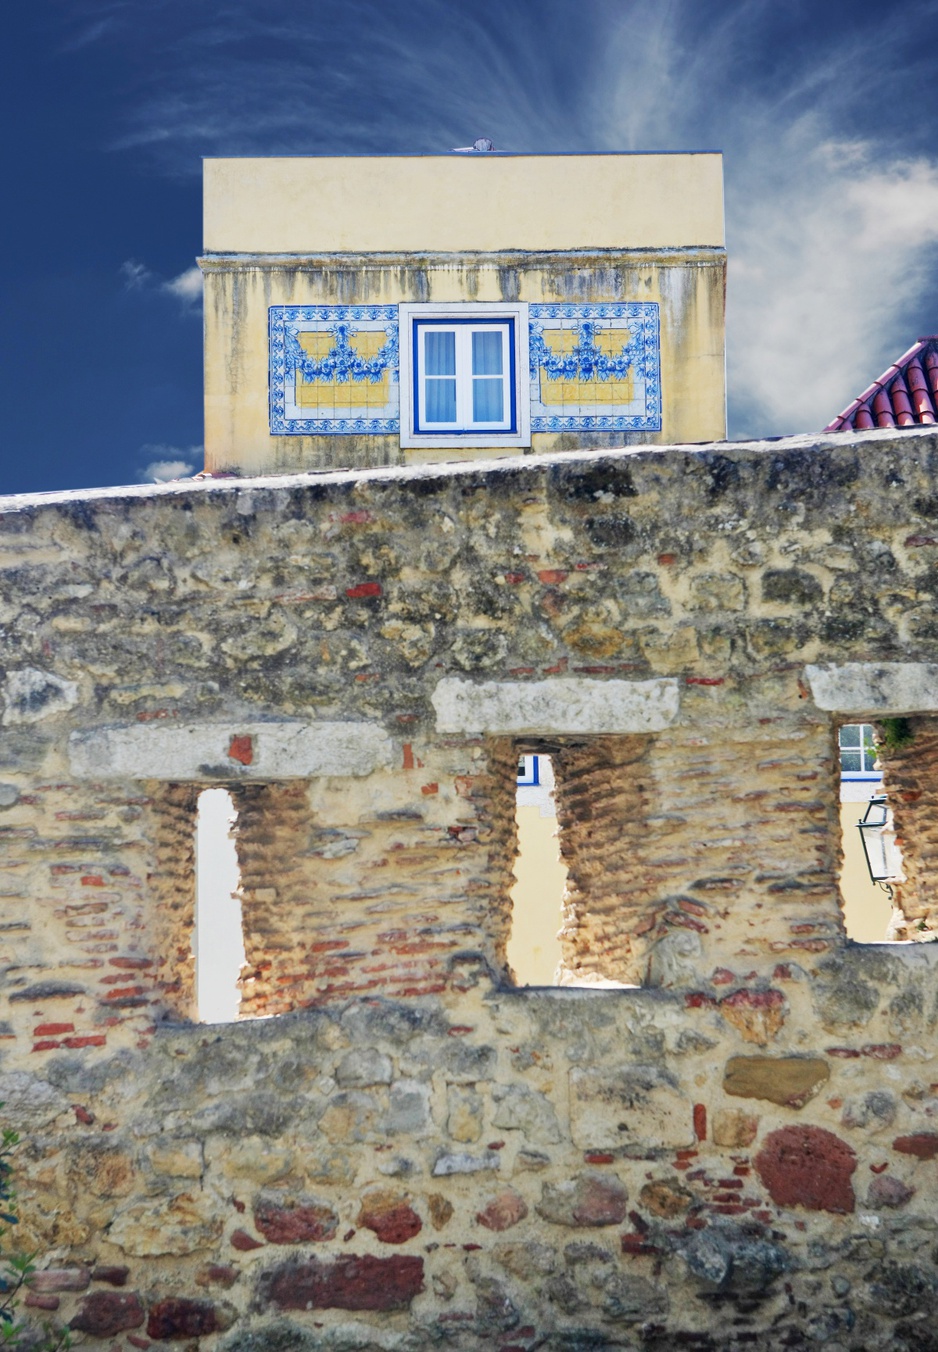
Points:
(857, 753)
(464, 375)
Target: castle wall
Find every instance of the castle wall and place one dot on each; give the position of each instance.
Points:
(408, 1151)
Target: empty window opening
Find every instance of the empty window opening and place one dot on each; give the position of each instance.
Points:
(534, 950)
(867, 904)
(218, 942)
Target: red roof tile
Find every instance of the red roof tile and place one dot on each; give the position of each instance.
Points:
(904, 396)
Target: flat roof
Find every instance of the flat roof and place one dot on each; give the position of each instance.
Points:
(459, 202)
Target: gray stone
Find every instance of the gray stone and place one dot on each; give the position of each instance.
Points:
(632, 1300)
(408, 1108)
(364, 1067)
(281, 1336)
(898, 1290)
(9, 794)
(496, 1312)
(526, 1260)
(30, 695)
(29, 1102)
(465, 1164)
(522, 1109)
(877, 1107)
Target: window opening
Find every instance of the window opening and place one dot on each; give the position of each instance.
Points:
(867, 906)
(534, 950)
(218, 942)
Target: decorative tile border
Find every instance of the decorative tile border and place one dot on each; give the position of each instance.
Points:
(595, 368)
(334, 369)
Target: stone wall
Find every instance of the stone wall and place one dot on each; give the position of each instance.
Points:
(739, 1151)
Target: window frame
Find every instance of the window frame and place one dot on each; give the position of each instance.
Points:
(861, 776)
(413, 318)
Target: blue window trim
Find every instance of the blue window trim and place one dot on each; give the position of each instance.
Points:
(478, 322)
(535, 779)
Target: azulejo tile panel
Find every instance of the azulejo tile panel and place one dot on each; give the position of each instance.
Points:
(334, 369)
(595, 368)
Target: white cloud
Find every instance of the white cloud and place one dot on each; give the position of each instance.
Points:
(187, 287)
(169, 462)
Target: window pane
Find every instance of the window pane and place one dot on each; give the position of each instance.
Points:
(850, 734)
(440, 395)
(487, 352)
(487, 400)
(850, 760)
(439, 354)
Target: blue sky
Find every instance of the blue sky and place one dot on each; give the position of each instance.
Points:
(825, 112)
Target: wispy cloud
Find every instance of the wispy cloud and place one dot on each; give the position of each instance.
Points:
(164, 463)
(822, 113)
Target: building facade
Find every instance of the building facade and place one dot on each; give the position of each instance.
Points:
(370, 311)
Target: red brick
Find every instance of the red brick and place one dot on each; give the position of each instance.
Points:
(392, 1219)
(114, 1276)
(240, 1239)
(809, 1167)
(700, 1121)
(241, 749)
(348, 1283)
(923, 1145)
(178, 1318)
(92, 1040)
(52, 1029)
(37, 1302)
(104, 1313)
(363, 589)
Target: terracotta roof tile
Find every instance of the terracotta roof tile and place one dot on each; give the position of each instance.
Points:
(905, 395)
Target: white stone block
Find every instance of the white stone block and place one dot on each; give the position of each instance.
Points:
(201, 752)
(565, 705)
(875, 687)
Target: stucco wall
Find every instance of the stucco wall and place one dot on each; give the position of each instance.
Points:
(365, 231)
(414, 1153)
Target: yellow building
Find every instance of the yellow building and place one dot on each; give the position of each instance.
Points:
(367, 311)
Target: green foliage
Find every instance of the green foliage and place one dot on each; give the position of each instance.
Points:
(897, 733)
(16, 1333)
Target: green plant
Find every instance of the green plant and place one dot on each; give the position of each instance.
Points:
(17, 1333)
(896, 733)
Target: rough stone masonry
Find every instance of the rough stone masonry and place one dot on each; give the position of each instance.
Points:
(407, 1152)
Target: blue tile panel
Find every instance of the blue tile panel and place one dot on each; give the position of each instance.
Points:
(593, 368)
(334, 369)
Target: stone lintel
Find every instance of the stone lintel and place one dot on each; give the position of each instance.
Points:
(875, 687)
(230, 751)
(566, 705)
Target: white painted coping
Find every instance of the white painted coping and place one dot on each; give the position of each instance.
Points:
(565, 705)
(875, 687)
(200, 751)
